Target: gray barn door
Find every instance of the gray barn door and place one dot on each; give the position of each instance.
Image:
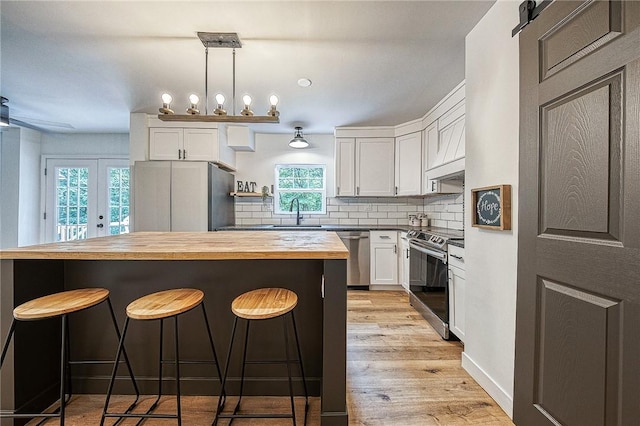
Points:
(578, 308)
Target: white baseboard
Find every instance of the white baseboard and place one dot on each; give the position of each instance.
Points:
(495, 391)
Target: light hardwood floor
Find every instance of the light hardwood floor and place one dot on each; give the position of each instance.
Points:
(399, 372)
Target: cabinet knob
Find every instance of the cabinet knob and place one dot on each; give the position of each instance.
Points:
(100, 225)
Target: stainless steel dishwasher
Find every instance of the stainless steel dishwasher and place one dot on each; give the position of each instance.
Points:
(357, 242)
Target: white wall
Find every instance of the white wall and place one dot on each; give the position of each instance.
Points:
(272, 149)
(492, 105)
(29, 203)
(20, 187)
(9, 190)
(101, 144)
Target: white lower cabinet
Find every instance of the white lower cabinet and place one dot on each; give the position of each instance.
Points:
(384, 258)
(457, 290)
(403, 260)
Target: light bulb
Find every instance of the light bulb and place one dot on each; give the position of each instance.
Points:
(247, 100)
(166, 101)
(273, 112)
(220, 99)
(193, 108)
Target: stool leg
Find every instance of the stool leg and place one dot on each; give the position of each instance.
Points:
(5, 347)
(68, 372)
(63, 363)
(288, 358)
(226, 371)
(115, 369)
(244, 363)
(179, 408)
(155, 403)
(304, 379)
(213, 349)
(124, 353)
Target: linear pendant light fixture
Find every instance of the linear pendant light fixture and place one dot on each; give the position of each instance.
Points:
(219, 40)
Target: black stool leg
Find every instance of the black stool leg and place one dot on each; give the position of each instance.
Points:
(226, 371)
(304, 378)
(244, 363)
(126, 357)
(68, 375)
(5, 347)
(177, 371)
(115, 369)
(213, 349)
(160, 363)
(63, 364)
(288, 359)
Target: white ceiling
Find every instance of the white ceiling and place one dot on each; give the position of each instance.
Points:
(87, 65)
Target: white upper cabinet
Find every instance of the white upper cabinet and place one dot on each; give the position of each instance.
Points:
(183, 144)
(166, 144)
(445, 141)
(365, 166)
(408, 164)
(375, 167)
(191, 144)
(345, 167)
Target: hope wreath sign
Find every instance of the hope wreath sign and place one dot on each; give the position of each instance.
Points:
(492, 207)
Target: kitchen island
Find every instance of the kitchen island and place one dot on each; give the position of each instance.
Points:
(223, 265)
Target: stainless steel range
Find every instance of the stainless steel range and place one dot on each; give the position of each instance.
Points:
(428, 275)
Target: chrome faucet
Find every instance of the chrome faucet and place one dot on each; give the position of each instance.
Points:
(298, 217)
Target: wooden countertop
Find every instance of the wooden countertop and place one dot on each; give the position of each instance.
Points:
(219, 245)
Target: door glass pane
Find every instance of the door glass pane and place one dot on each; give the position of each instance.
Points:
(118, 191)
(72, 193)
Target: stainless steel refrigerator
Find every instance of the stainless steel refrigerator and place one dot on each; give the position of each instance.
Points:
(181, 196)
(222, 210)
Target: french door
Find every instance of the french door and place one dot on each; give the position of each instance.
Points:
(86, 198)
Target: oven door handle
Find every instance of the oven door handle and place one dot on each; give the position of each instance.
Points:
(440, 256)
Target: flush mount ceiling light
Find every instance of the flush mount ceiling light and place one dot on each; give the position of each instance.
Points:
(298, 140)
(229, 41)
(4, 112)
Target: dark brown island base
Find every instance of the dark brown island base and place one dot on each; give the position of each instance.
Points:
(223, 264)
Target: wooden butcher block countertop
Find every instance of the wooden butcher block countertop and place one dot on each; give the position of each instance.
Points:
(220, 245)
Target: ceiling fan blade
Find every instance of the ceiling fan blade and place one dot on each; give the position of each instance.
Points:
(37, 124)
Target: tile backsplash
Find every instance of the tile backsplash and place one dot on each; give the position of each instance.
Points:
(445, 211)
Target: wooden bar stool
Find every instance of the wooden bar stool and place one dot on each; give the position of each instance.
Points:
(160, 306)
(61, 305)
(264, 304)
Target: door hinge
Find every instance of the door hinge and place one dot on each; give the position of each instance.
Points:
(44, 216)
(45, 171)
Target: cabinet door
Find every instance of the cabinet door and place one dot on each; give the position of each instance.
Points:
(430, 152)
(200, 145)
(457, 288)
(345, 166)
(384, 264)
(152, 196)
(408, 165)
(189, 196)
(403, 266)
(375, 167)
(452, 141)
(165, 143)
